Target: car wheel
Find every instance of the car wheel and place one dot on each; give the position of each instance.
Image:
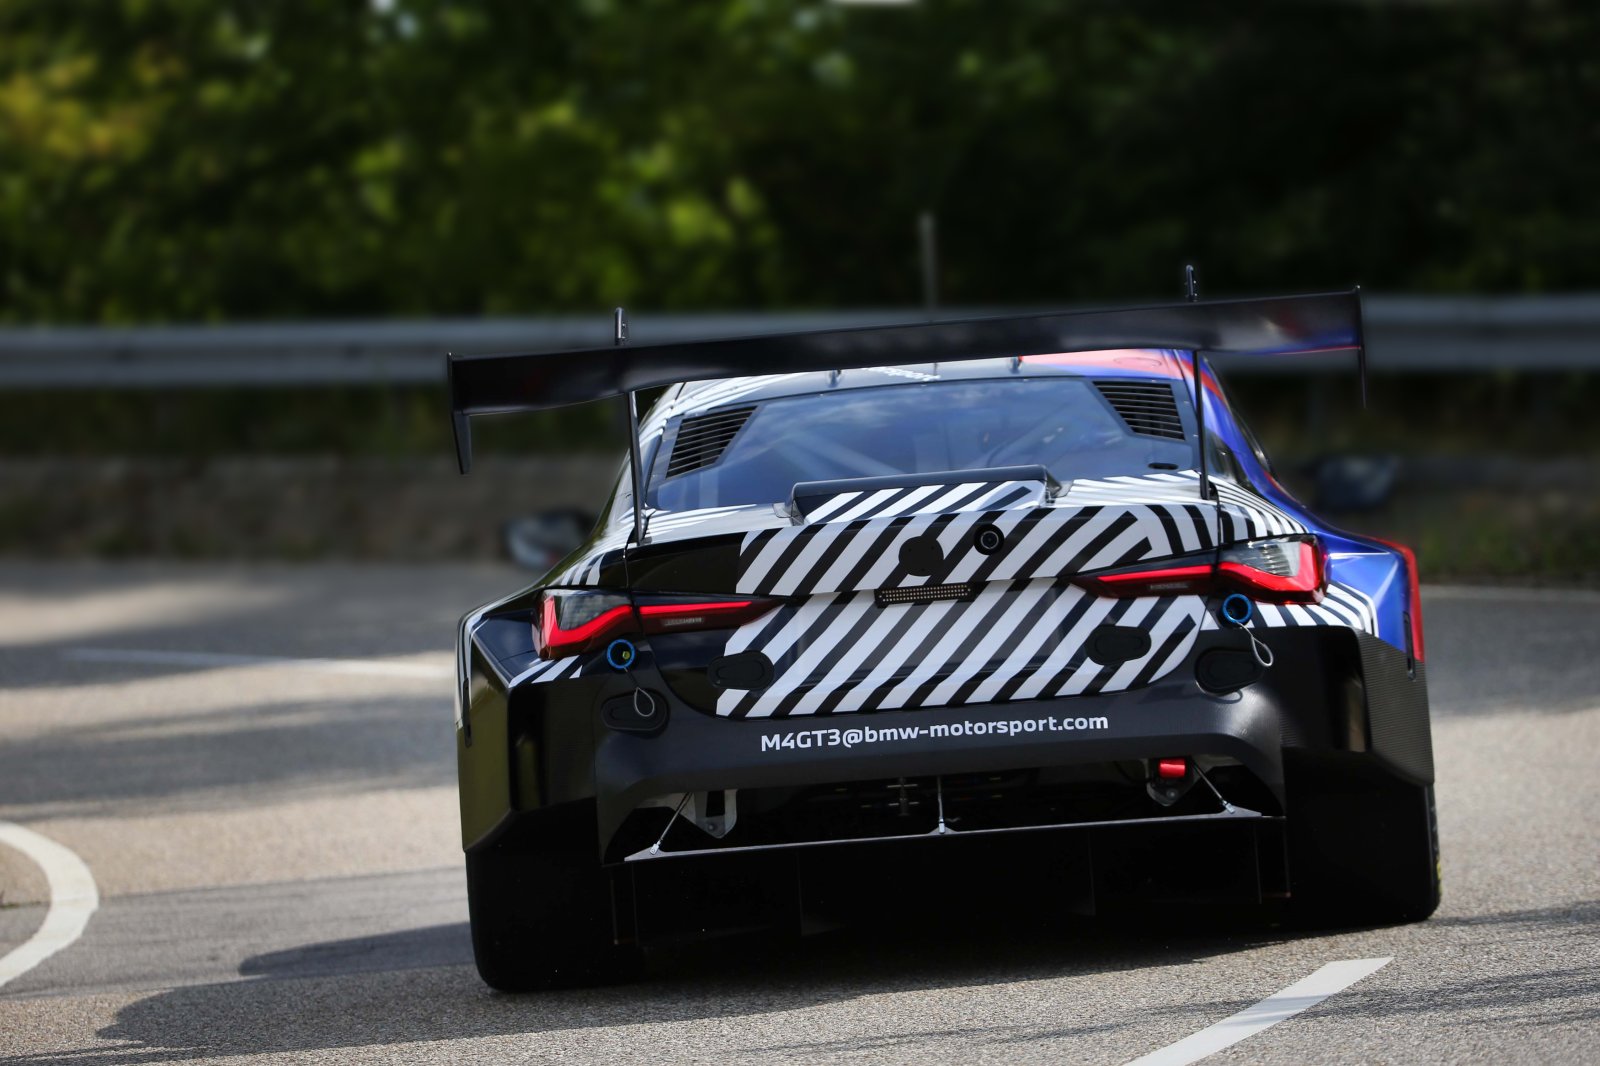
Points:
(1363, 857)
(542, 920)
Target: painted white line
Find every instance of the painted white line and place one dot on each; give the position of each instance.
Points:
(73, 897)
(1307, 992)
(150, 656)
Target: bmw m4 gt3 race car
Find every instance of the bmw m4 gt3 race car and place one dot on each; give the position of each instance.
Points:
(1007, 612)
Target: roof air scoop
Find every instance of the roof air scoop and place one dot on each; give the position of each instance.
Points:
(945, 492)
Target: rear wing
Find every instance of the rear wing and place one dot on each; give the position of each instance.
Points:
(1272, 326)
(533, 381)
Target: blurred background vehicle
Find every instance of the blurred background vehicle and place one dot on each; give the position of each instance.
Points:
(238, 239)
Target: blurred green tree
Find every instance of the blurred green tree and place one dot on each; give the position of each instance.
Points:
(232, 159)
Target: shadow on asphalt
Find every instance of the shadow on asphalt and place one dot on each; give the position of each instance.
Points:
(346, 611)
(419, 985)
(219, 758)
(411, 949)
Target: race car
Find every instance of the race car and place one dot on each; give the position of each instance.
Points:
(1003, 613)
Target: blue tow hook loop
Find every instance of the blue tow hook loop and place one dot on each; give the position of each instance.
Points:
(1237, 609)
(620, 654)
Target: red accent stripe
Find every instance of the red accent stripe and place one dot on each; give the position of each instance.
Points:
(1410, 558)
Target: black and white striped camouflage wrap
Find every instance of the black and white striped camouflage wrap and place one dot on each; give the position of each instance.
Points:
(1092, 525)
(1344, 605)
(1015, 640)
(1022, 635)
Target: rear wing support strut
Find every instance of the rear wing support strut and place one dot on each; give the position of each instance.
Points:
(1191, 294)
(619, 337)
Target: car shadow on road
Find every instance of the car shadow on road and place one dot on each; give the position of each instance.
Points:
(419, 985)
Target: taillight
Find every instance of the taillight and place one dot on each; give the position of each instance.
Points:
(1279, 570)
(573, 621)
(672, 617)
(1170, 578)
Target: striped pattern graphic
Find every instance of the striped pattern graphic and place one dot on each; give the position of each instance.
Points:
(662, 526)
(1091, 526)
(1344, 605)
(863, 553)
(1016, 640)
(586, 571)
(1019, 635)
(928, 499)
(1242, 514)
(700, 398)
(548, 670)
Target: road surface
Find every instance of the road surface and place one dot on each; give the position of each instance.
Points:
(269, 891)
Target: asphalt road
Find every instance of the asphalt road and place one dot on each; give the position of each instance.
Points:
(274, 848)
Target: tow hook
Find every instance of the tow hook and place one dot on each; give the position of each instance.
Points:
(1229, 668)
(1238, 611)
(1168, 780)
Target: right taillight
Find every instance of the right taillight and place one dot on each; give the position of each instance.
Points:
(1275, 570)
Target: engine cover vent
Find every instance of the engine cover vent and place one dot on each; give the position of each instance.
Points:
(1146, 407)
(703, 438)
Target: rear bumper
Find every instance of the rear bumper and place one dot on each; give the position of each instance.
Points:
(697, 752)
(1331, 691)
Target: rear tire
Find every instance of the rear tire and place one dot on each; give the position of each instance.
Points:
(542, 919)
(1363, 855)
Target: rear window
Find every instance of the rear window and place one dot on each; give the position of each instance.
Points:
(1064, 424)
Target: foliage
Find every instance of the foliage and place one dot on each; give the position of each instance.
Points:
(232, 159)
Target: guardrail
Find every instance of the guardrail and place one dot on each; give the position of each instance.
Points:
(1404, 334)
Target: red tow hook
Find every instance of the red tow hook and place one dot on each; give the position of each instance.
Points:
(1172, 769)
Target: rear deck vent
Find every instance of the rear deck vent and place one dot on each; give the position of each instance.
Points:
(703, 438)
(1147, 407)
(925, 594)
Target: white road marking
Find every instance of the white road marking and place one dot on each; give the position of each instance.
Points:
(150, 656)
(1306, 992)
(73, 897)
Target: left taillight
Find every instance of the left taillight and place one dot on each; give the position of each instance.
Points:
(674, 616)
(571, 622)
